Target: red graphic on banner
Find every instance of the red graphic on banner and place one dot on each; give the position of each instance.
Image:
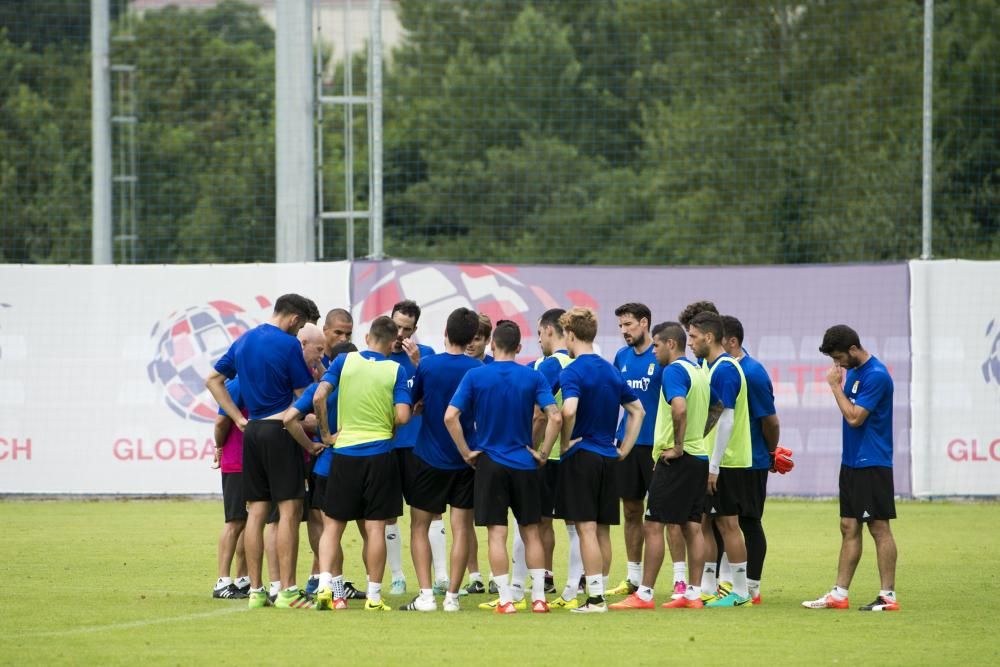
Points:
(15, 449)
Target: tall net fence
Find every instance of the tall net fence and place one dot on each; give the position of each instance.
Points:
(563, 131)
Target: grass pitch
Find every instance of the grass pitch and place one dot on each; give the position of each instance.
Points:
(129, 582)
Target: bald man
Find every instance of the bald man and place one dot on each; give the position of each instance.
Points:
(313, 340)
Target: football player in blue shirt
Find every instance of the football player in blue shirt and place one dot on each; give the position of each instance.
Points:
(338, 327)
(866, 487)
(502, 398)
(441, 478)
(639, 367)
(407, 353)
(272, 371)
(587, 492)
(765, 432)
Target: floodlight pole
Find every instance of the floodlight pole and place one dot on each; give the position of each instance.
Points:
(295, 199)
(100, 131)
(927, 184)
(375, 124)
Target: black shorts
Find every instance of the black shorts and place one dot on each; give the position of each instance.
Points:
(312, 500)
(273, 467)
(434, 489)
(498, 488)
(635, 473)
(867, 493)
(232, 497)
(408, 465)
(731, 493)
(548, 476)
(677, 492)
(363, 487)
(588, 488)
(318, 493)
(755, 494)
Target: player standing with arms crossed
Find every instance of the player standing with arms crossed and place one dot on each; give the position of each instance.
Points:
(866, 486)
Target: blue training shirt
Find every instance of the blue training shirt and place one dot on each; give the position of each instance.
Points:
(600, 390)
(502, 397)
(870, 444)
(643, 376)
(435, 382)
(305, 406)
(406, 435)
(233, 387)
(725, 383)
(551, 369)
(760, 401)
(270, 365)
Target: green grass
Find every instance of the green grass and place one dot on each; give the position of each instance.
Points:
(128, 582)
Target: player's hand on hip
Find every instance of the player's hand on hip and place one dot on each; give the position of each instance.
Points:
(537, 455)
(713, 483)
(835, 376)
(241, 423)
(330, 440)
(471, 457)
(669, 455)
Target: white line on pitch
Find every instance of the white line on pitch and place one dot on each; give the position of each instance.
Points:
(132, 624)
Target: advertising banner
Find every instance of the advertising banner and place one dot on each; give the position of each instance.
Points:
(102, 368)
(956, 378)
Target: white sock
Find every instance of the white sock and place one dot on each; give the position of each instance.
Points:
(708, 580)
(394, 551)
(725, 569)
(325, 581)
(450, 597)
(475, 576)
(518, 567)
(595, 585)
(634, 572)
(427, 593)
(337, 586)
(438, 550)
(740, 579)
(275, 588)
(692, 592)
(680, 571)
(753, 585)
(838, 593)
(645, 593)
(374, 592)
(242, 582)
(257, 590)
(575, 569)
(223, 582)
(604, 580)
(537, 583)
(888, 595)
(503, 588)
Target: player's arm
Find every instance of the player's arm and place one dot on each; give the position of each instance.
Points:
(292, 419)
(553, 424)
(402, 399)
(633, 422)
(568, 422)
(854, 414)
(714, 412)
(452, 422)
(403, 412)
(319, 408)
(678, 415)
(538, 423)
(223, 424)
(216, 384)
(772, 432)
(725, 425)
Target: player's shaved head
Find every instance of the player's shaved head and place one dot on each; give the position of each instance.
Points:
(507, 336)
(671, 331)
(694, 309)
(311, 334)
(337, 315)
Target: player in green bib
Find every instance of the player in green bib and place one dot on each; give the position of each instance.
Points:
(373, 399)
(728, 441)
(680, 474)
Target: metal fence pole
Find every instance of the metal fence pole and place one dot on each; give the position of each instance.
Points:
(100, 131)
(375, 125)
(928, 147)
(295, 199)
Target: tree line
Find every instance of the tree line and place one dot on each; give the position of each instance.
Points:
(571, 131)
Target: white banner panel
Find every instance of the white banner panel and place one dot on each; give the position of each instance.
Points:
(955, 310)
(102, 368)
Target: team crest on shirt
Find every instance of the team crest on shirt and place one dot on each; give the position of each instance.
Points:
(652, 368)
